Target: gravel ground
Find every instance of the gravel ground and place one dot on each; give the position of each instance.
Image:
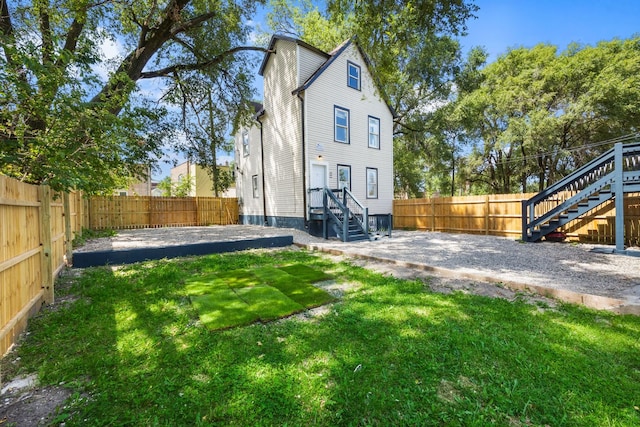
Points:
(560, 266)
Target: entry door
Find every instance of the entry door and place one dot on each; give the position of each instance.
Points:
(318, 180)
(318, 175)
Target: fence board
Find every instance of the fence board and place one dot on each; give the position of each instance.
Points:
(501, 215)
(125, 212)
(25, 242)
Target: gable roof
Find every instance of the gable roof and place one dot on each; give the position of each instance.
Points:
(332, 57)
(272, 51)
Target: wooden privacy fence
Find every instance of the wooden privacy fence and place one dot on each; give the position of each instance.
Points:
(36, 231)
(501, 215)
(119, 212)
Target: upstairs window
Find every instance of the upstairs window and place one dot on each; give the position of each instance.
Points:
(341, 125)
(353, 75)
(245, 144)
(374, 132)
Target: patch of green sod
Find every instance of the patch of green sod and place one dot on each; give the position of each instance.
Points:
(238, 278)
(270, 275)
(305, 274)
(222, 309)
(268, 293)
(296, 287)
(268, 303)
(200, 285)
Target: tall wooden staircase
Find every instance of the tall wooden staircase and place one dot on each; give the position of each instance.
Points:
(607, 177)
(340, 210)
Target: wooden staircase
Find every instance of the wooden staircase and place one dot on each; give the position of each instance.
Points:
(345, 215)
(607, 177)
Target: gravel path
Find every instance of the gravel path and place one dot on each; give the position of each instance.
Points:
(563, 267)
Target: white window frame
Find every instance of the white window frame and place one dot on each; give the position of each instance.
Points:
(347, 182)
(337, 126)
(245, 144)
(372, 183)
(376, 136)
(357, 78)
(254, 186)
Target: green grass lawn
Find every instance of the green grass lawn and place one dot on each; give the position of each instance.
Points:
(389, 352)
(240, 297)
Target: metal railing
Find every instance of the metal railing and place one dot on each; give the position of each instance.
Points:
(600, 174)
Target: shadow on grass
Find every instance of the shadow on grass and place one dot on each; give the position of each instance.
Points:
(390, 353)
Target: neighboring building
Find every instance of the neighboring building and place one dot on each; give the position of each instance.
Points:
(324, 124)
(201, 183)
(139, 187)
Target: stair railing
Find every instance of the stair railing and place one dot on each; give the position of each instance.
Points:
(579, 185)
(358, 211)
(335, 210)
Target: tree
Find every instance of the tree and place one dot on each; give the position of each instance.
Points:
(538, 114)
(59, 122)
(165, 186)
(182, 188)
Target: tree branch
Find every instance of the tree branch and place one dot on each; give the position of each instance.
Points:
(45, 33)
(6, 30)
(193, 22)
(164, 72)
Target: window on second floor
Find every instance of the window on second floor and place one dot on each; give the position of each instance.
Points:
(374, 132)
(353, 75)
(341, 125)
(245, 144)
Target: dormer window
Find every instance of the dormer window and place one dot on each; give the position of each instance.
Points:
(353, 77)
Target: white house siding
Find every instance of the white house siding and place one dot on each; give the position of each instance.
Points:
(331, 89)
(247, 166)
(282, 134)
(308, 63)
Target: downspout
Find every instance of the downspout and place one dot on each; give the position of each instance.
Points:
(264, 193)
(304, 163)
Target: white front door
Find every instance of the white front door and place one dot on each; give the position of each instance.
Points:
(318, 180)
(318, 175)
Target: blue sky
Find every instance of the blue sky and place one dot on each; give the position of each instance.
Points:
(504, 24)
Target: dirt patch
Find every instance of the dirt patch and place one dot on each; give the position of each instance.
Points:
(22, 401)
(32, 406)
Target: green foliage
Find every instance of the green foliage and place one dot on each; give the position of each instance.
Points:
(165, 186)
(537, 114)
(65, 124)
(388, 353)
(181, 188)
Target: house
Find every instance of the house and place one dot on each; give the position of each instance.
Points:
(140, 186)
(201, 183)
(323, 127)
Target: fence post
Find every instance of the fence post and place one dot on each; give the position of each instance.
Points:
(619, 195)
(433, 214)
(45, 242)
(68, 235)
(486, 215)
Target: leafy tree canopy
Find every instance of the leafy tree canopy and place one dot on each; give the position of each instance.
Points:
(60, 123)
(537, 114)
